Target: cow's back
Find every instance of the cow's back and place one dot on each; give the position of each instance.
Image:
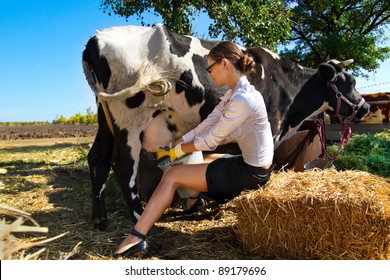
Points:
(118, 53)
(279, 81)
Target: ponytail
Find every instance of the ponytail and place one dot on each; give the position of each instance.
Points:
(246, 63)
(241, 60)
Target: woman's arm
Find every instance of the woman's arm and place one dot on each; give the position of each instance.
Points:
(235, 114)
(205, 125)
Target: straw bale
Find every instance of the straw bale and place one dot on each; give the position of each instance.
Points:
(317, 214)
(9, 244)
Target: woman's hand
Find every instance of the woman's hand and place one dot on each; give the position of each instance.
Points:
(178, 141)
(173, 153)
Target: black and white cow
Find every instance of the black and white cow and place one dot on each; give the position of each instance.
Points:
(152, 86)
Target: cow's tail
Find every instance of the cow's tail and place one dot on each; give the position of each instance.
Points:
(150, 79)
(90, 76)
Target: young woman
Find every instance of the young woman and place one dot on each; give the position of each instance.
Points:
(241, 116)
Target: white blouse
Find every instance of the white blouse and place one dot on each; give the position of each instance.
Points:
(240, 117)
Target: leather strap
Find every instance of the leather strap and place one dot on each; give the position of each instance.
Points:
(138, 234)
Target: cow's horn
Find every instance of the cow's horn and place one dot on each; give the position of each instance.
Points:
(342, 64)
(346, 63)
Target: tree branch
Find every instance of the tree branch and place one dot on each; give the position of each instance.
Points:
(306, 39)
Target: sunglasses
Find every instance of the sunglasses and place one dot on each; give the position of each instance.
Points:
(209, 68)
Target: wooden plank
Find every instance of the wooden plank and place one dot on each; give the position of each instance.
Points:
(333, 130)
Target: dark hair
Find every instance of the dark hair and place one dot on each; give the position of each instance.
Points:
(241, 60)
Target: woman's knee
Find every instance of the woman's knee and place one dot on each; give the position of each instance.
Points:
(187, 176)
(169, 176)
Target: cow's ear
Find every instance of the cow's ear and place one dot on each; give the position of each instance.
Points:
(326, 72)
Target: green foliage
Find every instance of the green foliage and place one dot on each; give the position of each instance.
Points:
(369, 153)
(255, 23)
(60, 120)
(339, 29)
(89, 118)
(252, 22)
(309, 31)
(176, 14)
(21, 123)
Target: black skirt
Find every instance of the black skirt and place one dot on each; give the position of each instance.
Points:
(227, 177)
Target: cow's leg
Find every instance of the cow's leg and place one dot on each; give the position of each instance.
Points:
(148, 176)
(99, 158)
(125, 165)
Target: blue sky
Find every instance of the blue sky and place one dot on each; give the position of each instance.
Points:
(40, 55)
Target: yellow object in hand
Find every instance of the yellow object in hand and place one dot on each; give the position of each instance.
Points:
(173, 153)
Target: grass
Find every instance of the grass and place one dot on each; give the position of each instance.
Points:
(365, 152)
(32, 170)
(35, 167)
(51, 181)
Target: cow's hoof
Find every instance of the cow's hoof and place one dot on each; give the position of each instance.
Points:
(102, 224)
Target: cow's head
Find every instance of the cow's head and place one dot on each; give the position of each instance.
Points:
(342, 97)
(330, 89)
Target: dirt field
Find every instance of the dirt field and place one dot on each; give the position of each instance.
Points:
(48, 177)
(46, 131)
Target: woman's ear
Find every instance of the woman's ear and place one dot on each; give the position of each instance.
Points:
(225, 62)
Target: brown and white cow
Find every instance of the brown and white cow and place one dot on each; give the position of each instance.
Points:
(379, 107)
(152, 86)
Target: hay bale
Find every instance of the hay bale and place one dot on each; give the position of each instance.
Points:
(317, 214)
(9, 244)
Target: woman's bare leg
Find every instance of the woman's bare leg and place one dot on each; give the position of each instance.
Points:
(187, 176)
(207, 158)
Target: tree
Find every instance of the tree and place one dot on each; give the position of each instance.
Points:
(342, 29)
(91, 117)
(306, 31)
(250, 22)
(253, 22)
(60, 120)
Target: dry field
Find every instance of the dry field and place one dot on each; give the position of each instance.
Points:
(45, 174)
(49, 178)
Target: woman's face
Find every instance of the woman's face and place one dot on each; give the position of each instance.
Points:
(217, 70)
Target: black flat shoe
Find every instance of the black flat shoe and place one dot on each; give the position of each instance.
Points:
(198, 206)
(138, 250)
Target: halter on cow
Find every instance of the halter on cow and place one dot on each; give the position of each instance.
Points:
(318, 95)
(340, 97)
(152, 86)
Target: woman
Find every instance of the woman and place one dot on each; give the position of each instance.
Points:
(241, 116)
